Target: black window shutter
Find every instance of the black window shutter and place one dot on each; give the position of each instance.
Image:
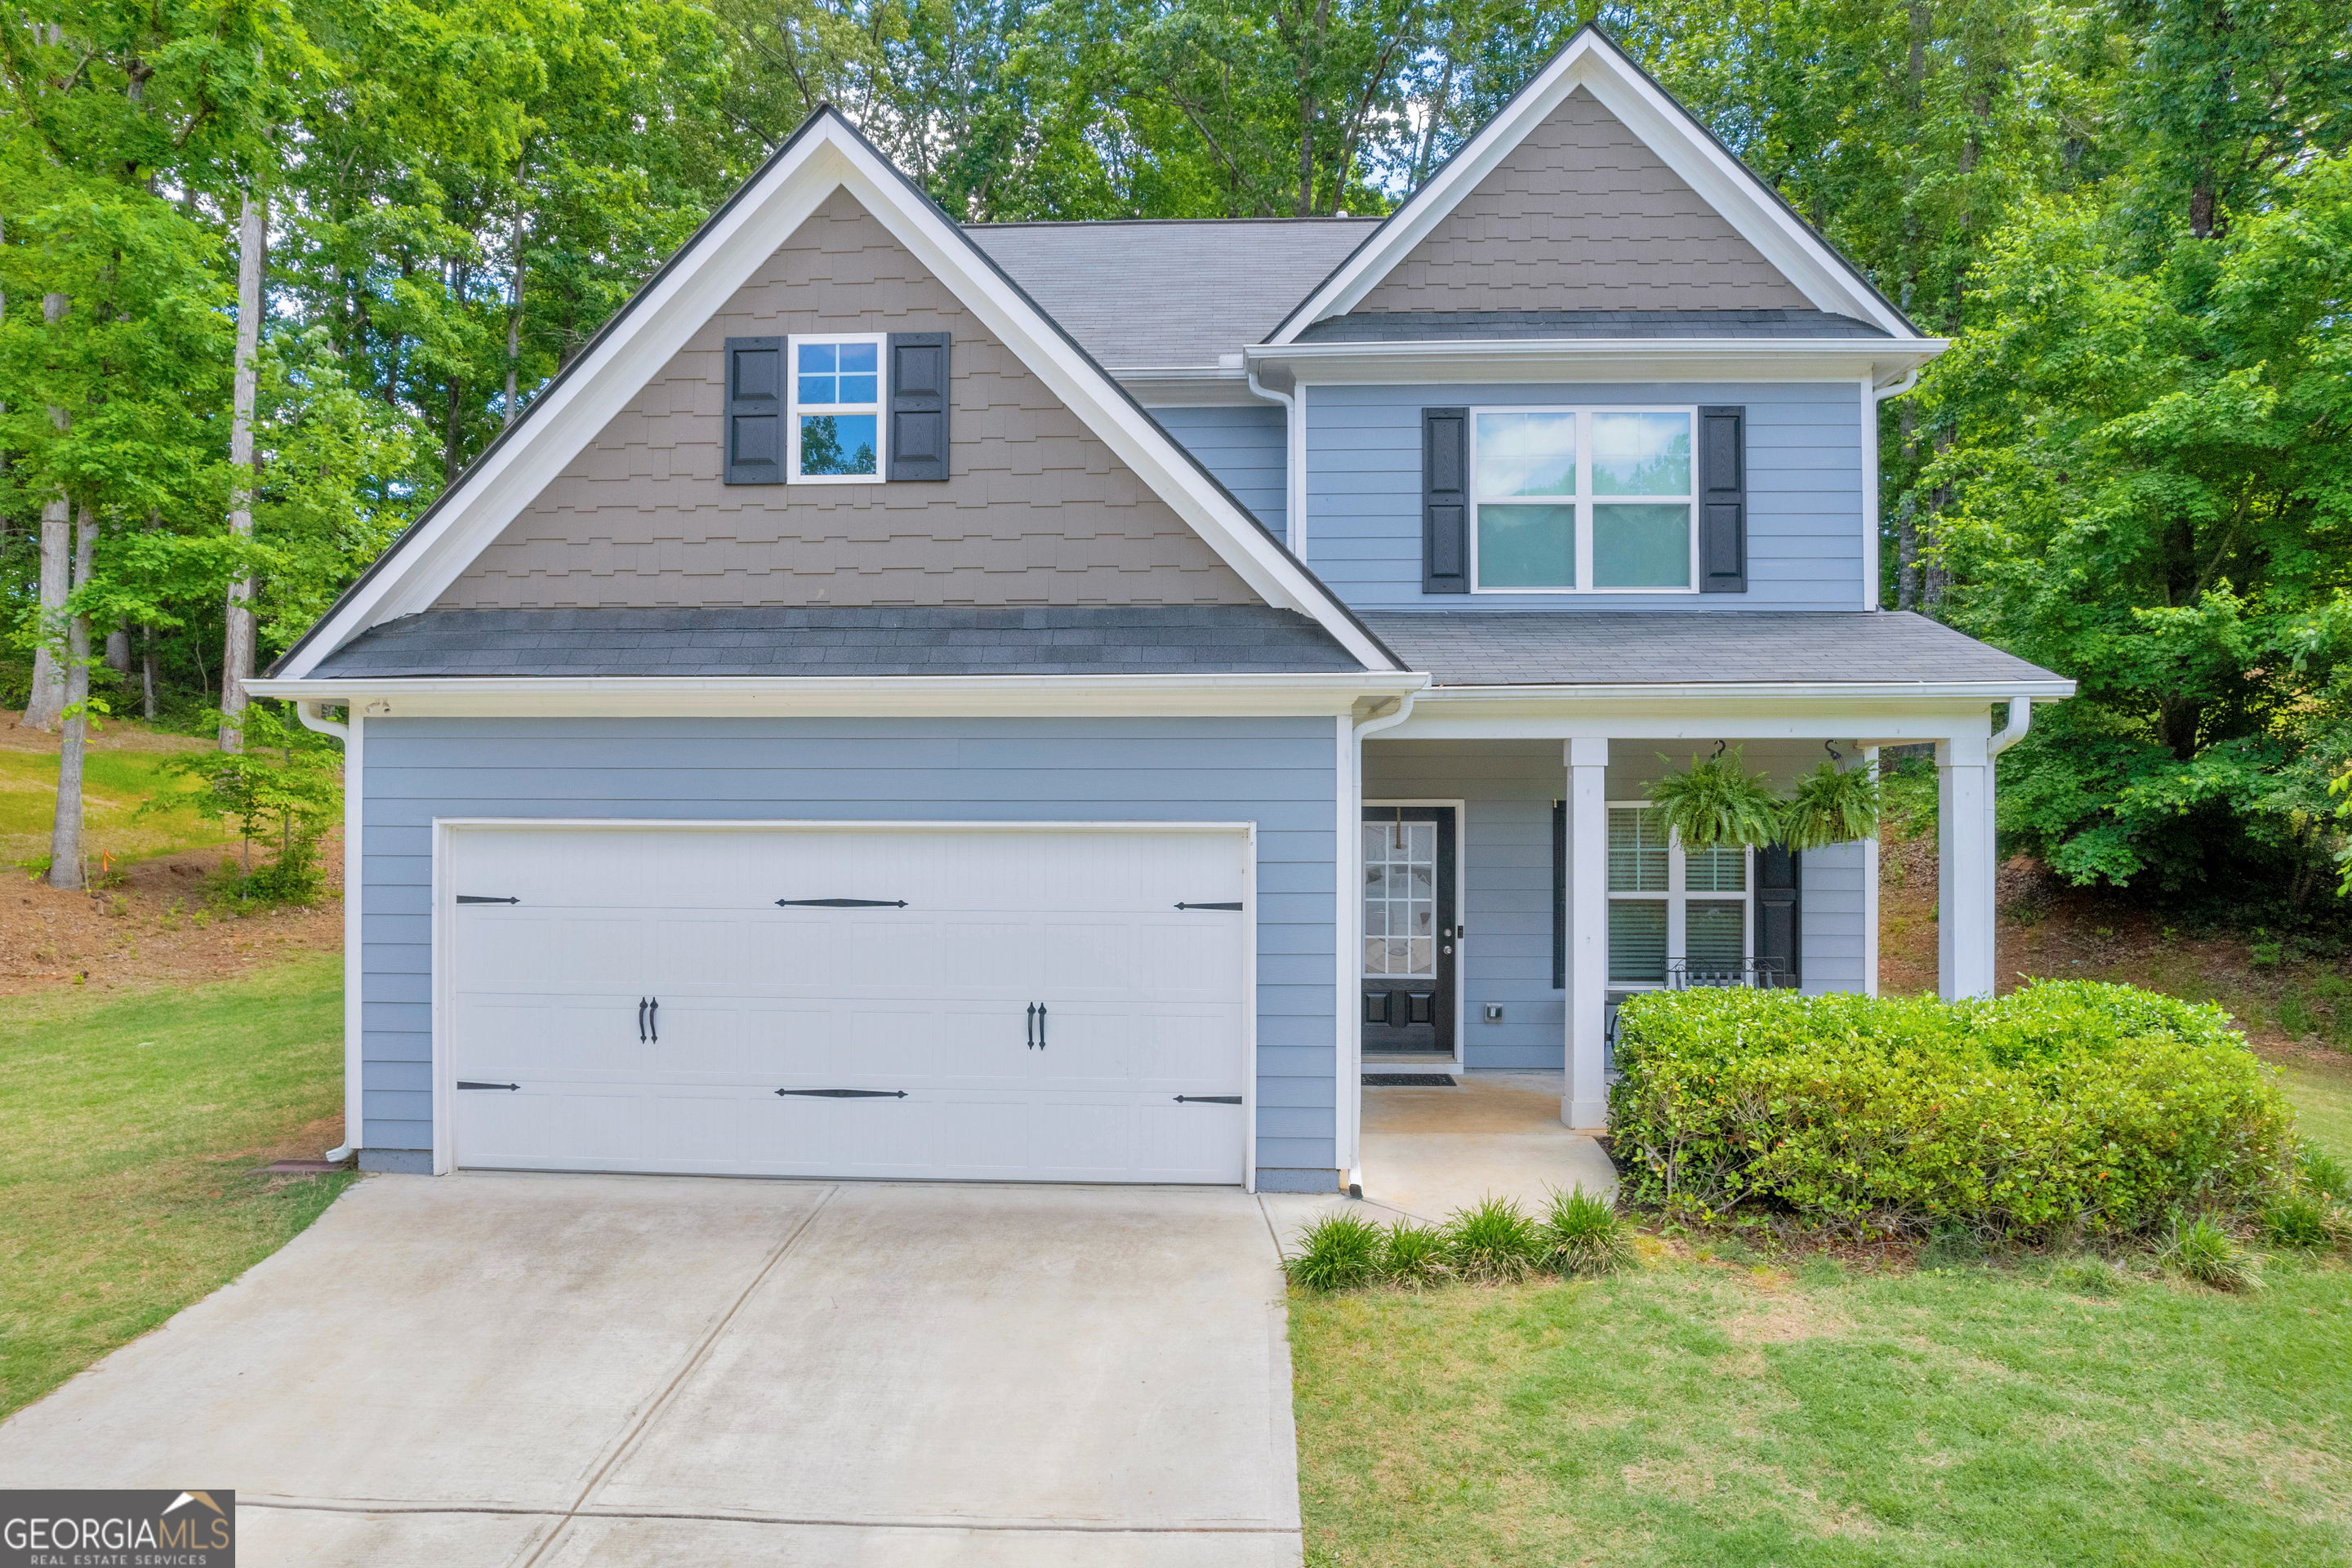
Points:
(1445, 500)
(1560, 895)
(1780, 936)
(755, 411)
(1723, 500)
(918, 405)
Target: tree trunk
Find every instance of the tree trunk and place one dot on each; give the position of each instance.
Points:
(147, 673)
(48, 701)
(65, 831)
(118, 649)
(236, 649)
(514, 330)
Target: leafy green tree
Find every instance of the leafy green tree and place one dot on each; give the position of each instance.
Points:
(285, 788)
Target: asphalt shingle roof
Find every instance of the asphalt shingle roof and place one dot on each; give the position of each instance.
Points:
(1211, 639)
(1175, 293)
(1586, 648)
(1457, 326)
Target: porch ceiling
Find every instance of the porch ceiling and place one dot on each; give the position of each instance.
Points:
(1871, 649)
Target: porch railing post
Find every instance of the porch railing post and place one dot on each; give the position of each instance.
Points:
(1585, 1102)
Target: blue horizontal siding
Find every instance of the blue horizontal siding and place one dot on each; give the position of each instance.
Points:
(1805, 529)
(1246, 448)
(1277, 772)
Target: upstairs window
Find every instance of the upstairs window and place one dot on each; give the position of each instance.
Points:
(835, 421)
(1582, 500)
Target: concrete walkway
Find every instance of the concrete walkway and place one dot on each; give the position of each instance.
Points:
(622, 1370)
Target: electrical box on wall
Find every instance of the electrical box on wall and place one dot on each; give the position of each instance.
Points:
(1494, 1012)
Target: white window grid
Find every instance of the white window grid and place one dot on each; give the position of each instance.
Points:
(794, 408)
(1678, 897)
(1402, 924)
(1583, 499)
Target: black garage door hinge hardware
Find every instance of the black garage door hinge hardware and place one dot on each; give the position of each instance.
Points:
(463, 1084)
(1208, 1099)
(842, 903)
(847, 1093)
(481, 899)
(1232, 906)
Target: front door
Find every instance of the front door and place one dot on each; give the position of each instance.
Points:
(1409, 931)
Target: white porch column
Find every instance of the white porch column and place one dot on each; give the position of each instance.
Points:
(1585, 1103)
(1964, 936)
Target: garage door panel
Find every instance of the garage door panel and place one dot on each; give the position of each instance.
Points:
(1143, 1002)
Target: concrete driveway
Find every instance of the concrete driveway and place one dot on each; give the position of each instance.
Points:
(622, 1370)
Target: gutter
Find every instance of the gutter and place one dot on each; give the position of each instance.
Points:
(313, 719)
(1769, 690)
(1294, 461)
(2020, 719)
(1351, 1040)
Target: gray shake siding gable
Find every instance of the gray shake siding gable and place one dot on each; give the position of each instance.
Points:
(1582, 214)
(1036, 510)
(1279, 772)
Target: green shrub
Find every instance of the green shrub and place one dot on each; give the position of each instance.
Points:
(2066, 1106)
(1338, 1252)
(2210, 1254)
(1584, 1234)
(1414, 1255)
(1494, 1241)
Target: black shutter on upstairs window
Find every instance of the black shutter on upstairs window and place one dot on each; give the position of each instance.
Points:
(1780, 933)
(1445, 500)
(755, 411)
(1723, 500)
(1560, 895)
(918, 405)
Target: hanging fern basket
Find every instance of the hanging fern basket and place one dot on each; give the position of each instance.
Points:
(1717, 803)
(1830, 808)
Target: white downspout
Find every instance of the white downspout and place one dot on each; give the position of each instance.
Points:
(1293, 462)
(1350, 922)
(2020, 719)
(350, 735)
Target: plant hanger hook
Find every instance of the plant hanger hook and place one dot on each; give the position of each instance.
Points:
(1718, 750)
(1831, 747)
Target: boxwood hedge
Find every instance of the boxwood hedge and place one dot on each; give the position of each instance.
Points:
(2066, 1106)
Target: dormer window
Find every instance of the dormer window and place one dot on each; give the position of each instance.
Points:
(835, 421)
(1582, 500)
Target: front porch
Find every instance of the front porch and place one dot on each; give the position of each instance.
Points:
(1514, 885)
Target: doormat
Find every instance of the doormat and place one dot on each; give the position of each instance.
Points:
(1408, 1080)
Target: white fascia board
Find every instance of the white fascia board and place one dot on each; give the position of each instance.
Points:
(1889, 711)
(720, 697)
(1604, 359)
(1761, 691)
(682, 302)
(1156, 388)
(1590, 61)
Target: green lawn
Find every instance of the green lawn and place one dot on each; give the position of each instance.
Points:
(115, 785)
(132, 1127)
(1729, 1414)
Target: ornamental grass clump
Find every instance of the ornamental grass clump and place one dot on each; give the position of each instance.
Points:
(2203, 1251)
(2067, 1106)
(1414, 1256)
(1585, 1237)
(1494, 1242)
(1338, 1252)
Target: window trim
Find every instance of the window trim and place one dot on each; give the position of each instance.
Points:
(1583, 500)
(1678, 898)
(879, 408)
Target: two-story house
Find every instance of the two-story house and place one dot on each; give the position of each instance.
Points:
(1057, 700)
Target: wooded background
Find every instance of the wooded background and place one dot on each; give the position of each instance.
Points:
(2134, 216)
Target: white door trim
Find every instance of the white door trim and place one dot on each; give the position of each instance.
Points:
(444, 1074)
(1461, 913)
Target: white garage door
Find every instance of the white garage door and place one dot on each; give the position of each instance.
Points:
(995, 1004)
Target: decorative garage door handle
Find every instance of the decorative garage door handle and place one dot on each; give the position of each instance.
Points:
(1208, 1099)
(1236, 905)
(463, 1084)
(848, 1093)
(483, 899)
(649, 1019)
(842, 903)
